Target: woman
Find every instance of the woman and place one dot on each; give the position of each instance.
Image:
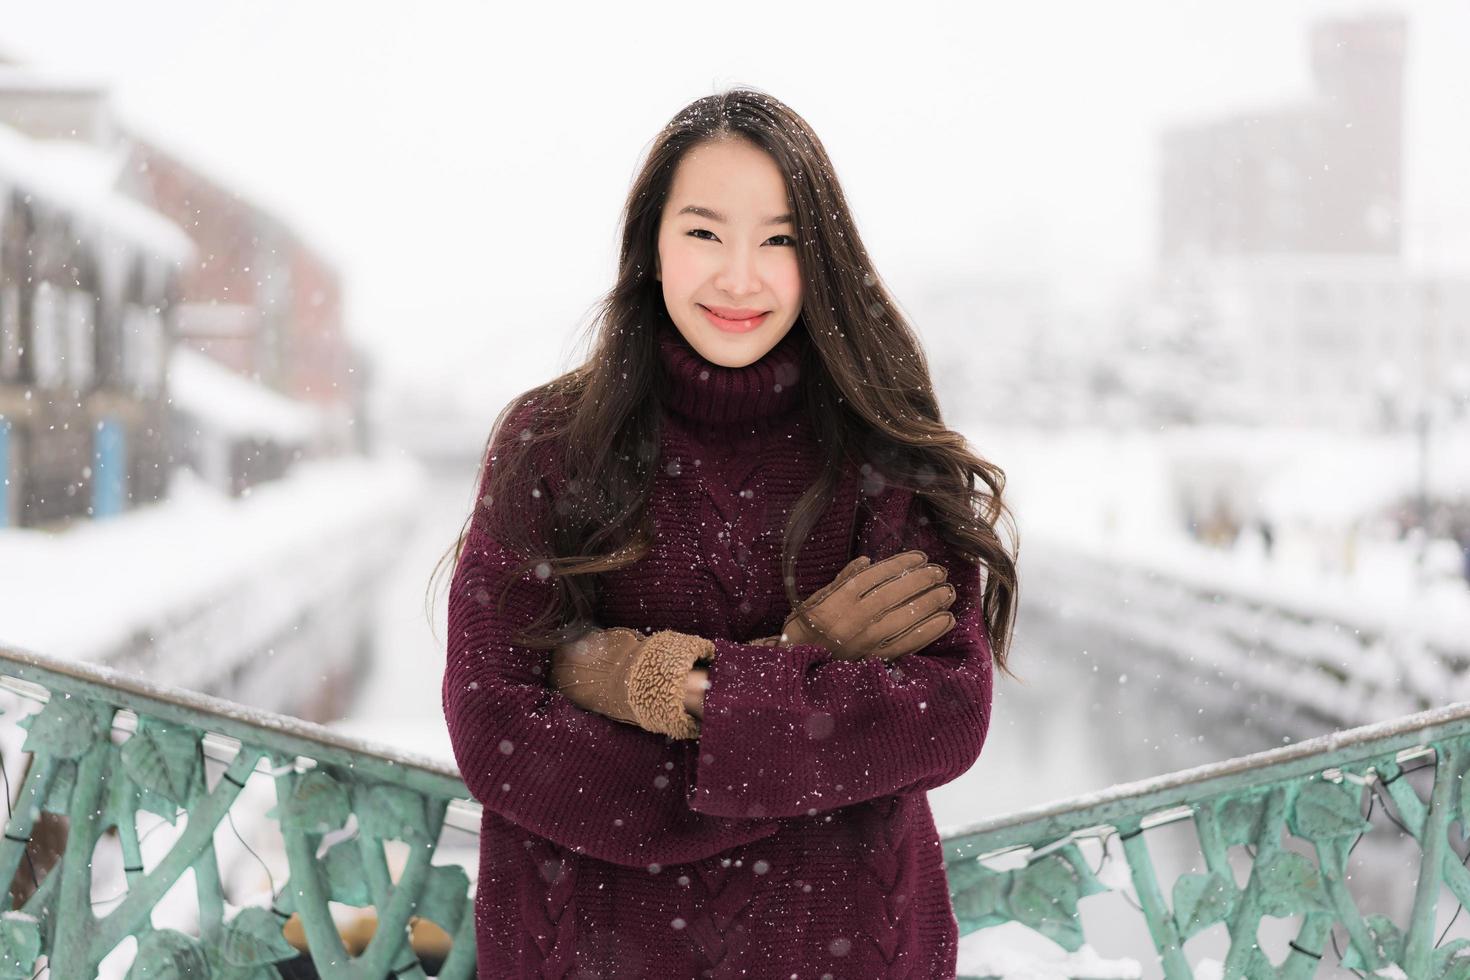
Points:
(718, 621)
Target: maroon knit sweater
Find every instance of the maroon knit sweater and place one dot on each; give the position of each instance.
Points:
(794, 837)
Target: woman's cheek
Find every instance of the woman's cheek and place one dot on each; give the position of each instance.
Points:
(785, 279)
(681, 268)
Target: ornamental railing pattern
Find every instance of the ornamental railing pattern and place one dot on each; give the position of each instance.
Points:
(109, 752)
(1297, 812)
(361, 826)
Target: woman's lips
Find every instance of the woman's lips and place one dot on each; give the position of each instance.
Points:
(734, 326)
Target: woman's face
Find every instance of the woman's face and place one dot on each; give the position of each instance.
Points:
(727, 250)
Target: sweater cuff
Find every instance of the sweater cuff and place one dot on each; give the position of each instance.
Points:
(656, 682)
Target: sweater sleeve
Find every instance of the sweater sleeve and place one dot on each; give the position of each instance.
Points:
(790, 731)
(528, 753)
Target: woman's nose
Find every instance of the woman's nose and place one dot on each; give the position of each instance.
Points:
(739, 275)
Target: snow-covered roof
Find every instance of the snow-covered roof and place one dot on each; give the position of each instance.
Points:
(82, 178)
(222, 399)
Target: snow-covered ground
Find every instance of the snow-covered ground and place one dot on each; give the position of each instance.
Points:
(1122, 494)
(89, 591)
(1352, 615)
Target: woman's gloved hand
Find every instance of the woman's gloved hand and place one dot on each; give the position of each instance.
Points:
(885, 609)
(632, 678)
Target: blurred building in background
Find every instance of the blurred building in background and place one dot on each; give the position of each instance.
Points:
(88, 286)
(260, 300)
(1282, 294)
(121, 266)
(167, 341)
(1321, 177)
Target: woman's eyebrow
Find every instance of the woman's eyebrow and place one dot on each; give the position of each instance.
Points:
(717, 216)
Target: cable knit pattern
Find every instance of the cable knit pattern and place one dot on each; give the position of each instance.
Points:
(793, 836)
(552, 918)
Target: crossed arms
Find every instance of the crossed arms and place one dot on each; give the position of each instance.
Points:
(787, 728)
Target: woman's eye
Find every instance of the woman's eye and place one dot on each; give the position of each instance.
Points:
(705, 231)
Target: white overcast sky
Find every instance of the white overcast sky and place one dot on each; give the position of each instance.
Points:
(465, 163)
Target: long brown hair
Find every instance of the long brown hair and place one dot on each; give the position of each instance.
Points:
(867, 385)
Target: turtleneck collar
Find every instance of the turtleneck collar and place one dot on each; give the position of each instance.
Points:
(711, 394)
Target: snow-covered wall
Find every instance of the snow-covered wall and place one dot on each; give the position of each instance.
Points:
(198, 589)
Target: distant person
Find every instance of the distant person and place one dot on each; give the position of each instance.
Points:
(769, 636)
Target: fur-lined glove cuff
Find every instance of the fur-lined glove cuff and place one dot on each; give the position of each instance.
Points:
(657, 678)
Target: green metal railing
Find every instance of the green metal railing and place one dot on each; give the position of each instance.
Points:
(1316, 794)
(106, 747)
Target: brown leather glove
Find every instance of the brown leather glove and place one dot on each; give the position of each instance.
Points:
(896, 606)
(632, 678)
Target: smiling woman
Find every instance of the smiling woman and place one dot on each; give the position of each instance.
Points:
(730, 600)
(731, 278)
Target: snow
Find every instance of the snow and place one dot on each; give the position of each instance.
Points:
(426, 740)
(40, 78)
(991, 953)
(78, 593)
(234, 405)
(1117, 497)
(80, 179)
